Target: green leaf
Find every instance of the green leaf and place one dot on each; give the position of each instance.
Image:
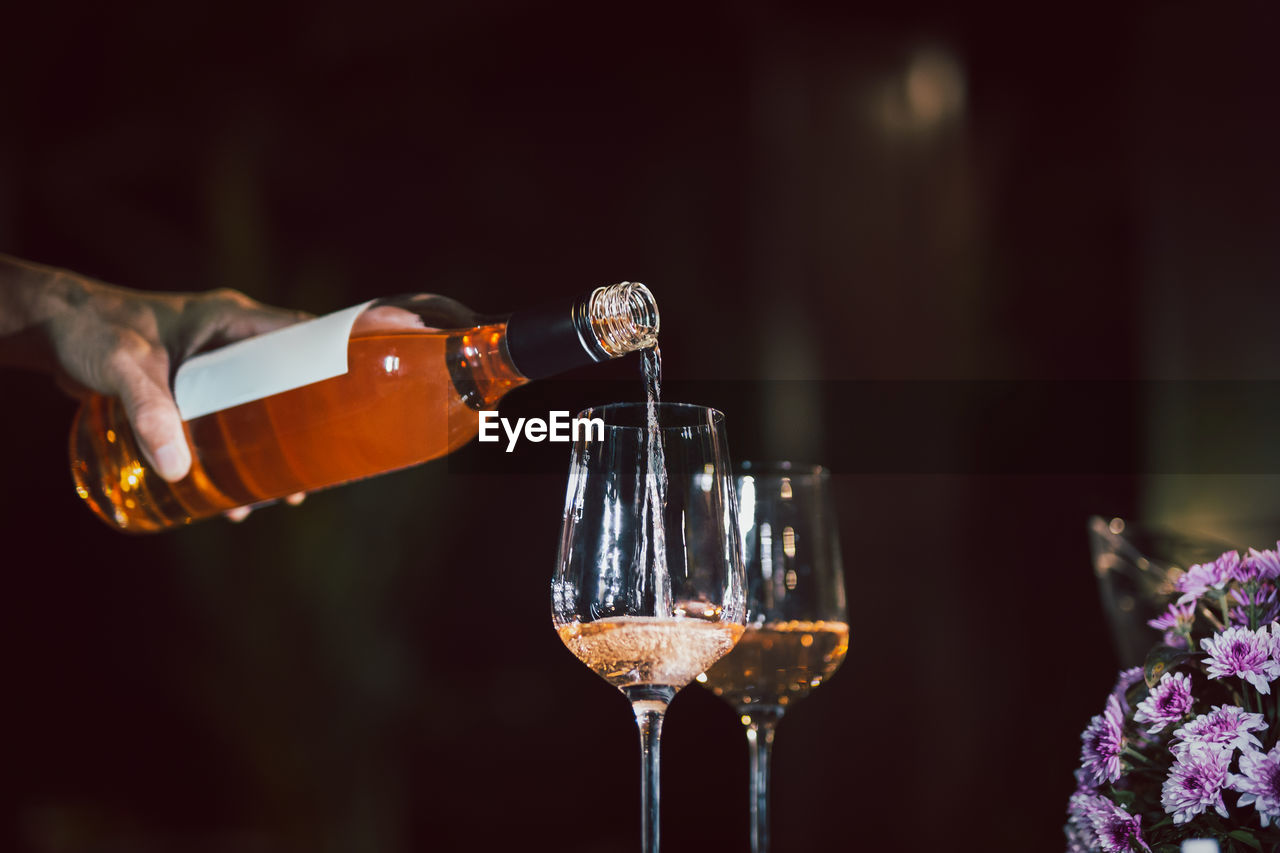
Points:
(1162, 659)
(1246, 837)
(1123, 798)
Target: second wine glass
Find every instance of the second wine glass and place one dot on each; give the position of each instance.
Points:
(649, 588)
(797, 628)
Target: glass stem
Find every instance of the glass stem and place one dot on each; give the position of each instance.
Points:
(760, 743)
(649, 719)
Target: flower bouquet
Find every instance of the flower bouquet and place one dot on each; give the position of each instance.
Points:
(1187, 745)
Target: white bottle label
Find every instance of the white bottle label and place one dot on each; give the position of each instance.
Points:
(267, 364)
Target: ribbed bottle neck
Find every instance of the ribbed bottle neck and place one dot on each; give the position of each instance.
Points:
(623, 317)
(606, 323)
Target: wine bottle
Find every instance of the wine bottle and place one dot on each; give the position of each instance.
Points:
(375, 388)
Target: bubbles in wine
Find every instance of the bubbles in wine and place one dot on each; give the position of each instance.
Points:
(626, 650)
(778, 663)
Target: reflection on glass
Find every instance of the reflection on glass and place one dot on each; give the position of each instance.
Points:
(797, 629)
(649, 588)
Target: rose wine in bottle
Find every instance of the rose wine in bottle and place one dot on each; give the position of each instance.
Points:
(372, 389)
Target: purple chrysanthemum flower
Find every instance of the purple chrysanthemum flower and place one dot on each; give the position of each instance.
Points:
(1102, 742)
(1084, 782)
(1077, 841)
(1240, 652)
(1248, 569)
(1259, 782)
(1263, 600)
(1080, 810)
(1127, 679)
(1179, 617)
(1264, 565)
(1196, 781)
(1167, 703)
(1200, 578)
(1228, 725)
(1116, 829)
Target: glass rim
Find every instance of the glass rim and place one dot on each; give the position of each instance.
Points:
(779, 468)
(690, 420)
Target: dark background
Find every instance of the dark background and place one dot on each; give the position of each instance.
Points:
(857, 225)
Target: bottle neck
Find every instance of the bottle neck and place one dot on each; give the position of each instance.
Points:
(607, 323)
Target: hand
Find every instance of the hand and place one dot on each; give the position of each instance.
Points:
(240, 513)
(125, 343)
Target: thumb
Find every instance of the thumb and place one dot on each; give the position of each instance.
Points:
(156, 423)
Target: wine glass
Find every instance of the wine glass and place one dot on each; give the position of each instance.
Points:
(797, 625)
(649, 588)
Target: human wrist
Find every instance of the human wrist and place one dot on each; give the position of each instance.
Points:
(32, 298)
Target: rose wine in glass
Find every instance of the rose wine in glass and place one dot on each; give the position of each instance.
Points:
(797, 628)
(649, 588)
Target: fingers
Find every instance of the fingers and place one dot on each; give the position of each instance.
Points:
(260, 321)
(139, 372)
(228, 315)
(156, 423)
(240, 513)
